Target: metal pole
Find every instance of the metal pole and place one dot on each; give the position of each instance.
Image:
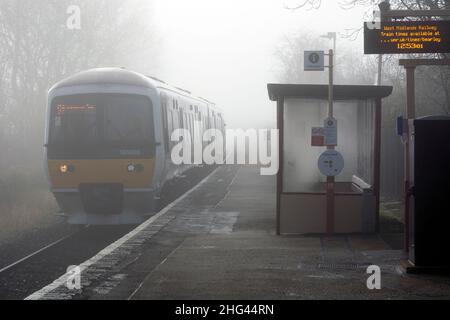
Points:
(332, 36)
(385, 7)
(410, 114)
(377, 161)
(330, 85)
(280, 125)
(334, 50)
(330, 180)
(380, 69)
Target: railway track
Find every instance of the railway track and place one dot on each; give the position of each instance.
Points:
(31, 255)
(34, 270)
(26, 275)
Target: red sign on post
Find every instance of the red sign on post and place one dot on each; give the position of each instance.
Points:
(317, 137)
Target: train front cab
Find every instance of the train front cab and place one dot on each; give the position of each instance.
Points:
(102, 155)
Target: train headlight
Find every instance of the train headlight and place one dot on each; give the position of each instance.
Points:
(135, 168)
(66, 168)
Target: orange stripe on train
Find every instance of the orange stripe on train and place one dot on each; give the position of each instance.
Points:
(101, 171)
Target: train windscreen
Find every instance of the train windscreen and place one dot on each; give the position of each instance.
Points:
(101, 125)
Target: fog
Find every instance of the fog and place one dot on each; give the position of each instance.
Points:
(38, 49)
(107, 155)
(226, 50)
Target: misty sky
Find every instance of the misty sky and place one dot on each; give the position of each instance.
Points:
(225, 50)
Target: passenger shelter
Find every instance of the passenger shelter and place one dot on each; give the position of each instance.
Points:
(301, 188)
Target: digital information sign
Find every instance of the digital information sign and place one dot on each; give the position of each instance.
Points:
(63, 108)
(399, 37)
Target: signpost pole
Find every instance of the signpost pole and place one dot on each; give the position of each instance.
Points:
(330, 162)
(410, 114)
(330, 179)
(384, 6)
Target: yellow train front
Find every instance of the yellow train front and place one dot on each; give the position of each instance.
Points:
(108, 142)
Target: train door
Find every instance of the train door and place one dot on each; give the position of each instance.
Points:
(214, 120)
(191, 120)
(165, 126)
(180, 117)
(208, 117)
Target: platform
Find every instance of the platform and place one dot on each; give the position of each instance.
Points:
(219, 242)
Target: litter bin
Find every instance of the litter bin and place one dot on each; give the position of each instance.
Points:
(429, 196)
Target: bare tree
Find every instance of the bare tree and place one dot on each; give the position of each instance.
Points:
(37, 49)
(290, 57)
(349, 4)
(351, 68)
(436, 87)
(432, 86)
(309, 4)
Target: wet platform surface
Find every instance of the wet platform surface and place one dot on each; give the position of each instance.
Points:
(219, 242)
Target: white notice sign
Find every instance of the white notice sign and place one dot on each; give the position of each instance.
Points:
(330, 131)
(314, 61)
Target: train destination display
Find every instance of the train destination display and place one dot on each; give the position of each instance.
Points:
(398, 37)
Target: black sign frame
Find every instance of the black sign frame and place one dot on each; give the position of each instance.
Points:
(377, 43)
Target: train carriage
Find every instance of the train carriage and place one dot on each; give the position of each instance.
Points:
(108, 142)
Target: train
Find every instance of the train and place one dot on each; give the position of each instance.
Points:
(108, 142)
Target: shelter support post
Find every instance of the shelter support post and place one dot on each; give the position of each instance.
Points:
(280, 127)
(410, 114)
(330, 179)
